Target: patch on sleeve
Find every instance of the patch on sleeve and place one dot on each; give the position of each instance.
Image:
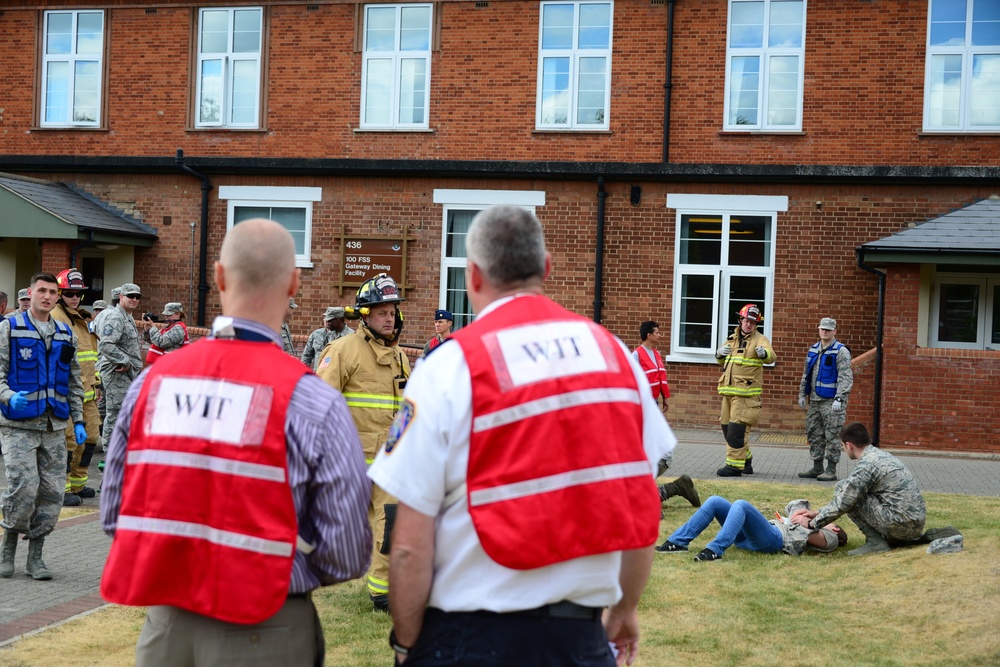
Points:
(399, 425)
(324, 364)
(108, 330)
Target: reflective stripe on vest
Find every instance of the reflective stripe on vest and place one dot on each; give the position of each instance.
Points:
(378, 401)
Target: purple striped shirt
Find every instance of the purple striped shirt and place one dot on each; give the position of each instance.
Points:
(326, 470)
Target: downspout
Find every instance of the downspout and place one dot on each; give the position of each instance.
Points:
(203, 245)
(669, 84)
(89, 243)
(879, 336)
(599, 259)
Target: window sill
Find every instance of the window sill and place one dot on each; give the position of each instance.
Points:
(689, 358)
(66, 128)
(573, 130)
(958, 133)
(364, 130)
(303, 264)
(957, 352)
(226, 129)
(771, 133)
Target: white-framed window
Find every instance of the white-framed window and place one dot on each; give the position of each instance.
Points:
(574, 66)
(724, 259)
(396, 68)
(962, 85)
(72, 69)
(459, 207)
(765, 57)
(291, 206)
(965, 311)
(229, 67)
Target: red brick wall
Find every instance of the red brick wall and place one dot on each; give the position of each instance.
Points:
(55, 256)
(863, 90)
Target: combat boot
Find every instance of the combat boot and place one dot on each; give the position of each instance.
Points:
(815, 471)
(36, 567)
(7, 553)
(874, 543)
(831, 473)
(684, 488)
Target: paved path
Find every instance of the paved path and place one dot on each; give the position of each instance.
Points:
(76, 551)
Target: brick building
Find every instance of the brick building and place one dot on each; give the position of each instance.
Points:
(684, 156)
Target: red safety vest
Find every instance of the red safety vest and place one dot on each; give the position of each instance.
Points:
(155, 351)
(557, 468)
(656, 372)
(207, 519)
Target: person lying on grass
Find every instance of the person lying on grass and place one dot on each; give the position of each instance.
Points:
(744, 526)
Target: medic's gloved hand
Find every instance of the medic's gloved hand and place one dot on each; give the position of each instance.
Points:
(724, 350)
(803, 402)
(838, 405)
(761, 351)
(19, 400)
(80, 432)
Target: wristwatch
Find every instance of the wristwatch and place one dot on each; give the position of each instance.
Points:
(396, 646)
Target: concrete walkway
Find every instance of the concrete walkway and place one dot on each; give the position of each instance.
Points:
(77, 550)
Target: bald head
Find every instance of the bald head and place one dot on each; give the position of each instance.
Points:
(256, 270)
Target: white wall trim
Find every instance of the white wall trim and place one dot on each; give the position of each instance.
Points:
(490, 197)
(742, 203)
(269, 193)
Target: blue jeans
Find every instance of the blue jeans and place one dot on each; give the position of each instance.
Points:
(741, 523)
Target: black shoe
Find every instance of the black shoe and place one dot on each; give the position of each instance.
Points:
(728, 471)
(669, 547)
(748, 467)
(707, 555)
(381, 603)
(86, 492)
(71, 500)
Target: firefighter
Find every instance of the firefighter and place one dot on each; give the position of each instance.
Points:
(78, 456)
(370, 369)
(742, 358)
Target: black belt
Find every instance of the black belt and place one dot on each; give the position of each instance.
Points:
(565, 609)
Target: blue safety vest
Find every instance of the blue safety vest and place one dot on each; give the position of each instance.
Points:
(44, 374)
(826, 381)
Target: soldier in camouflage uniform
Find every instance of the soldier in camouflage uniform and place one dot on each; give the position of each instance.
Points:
(40, 394)
(120, 359)
(880, 496)
(826, 383)
(334, 328)
(286, 333)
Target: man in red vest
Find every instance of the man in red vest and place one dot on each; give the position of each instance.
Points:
(259, 492)
(527, 504)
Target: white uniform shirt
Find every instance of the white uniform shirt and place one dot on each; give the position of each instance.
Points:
(430, 460)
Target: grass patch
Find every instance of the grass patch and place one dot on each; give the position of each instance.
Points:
(72, 512)
(901, 608)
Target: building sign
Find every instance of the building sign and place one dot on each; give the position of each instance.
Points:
(364, 257)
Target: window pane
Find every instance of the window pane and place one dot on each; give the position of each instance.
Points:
(749, 240)
(958, 314)
(245, 92)
(785, 25)
(210, 105)
(86, 91)
(412, 88)
(746, 25)
(595, 27)
(593, 77)
(456, 300)
(948, 22)
(59, 38)
(378, 92)
(945, 91)
(697, 311)
(241, 213)
(783, 91)
(557, 27)
(985, 98)
(744, 290)
(246, 31)
(415, 32)
(744, 84)
(57, 92)
(215, 31)
(701, 239)
(986, 23)
(458, 227)
(380, 29)
(555, 91)
(90, 27)
(294, 220)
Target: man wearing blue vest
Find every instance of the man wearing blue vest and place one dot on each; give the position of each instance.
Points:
(40, 393)
(825, 386)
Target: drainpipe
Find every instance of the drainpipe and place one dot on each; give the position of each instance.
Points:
(599, 268)
(89, 243)
(879, 336)
(203, 246)
(669, 80)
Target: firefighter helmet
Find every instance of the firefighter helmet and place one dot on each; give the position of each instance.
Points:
(374, 291)
(70, 279)
(752, 313)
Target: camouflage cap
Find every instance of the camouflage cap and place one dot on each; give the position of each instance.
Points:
(792, 507)
(291, 303)
(22, 294)
(173, 308)
(828, 323)
(333, 313)
(131, 288)
(100, 304)
(116, 293)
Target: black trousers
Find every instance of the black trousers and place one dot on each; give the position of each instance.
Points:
(510, 640)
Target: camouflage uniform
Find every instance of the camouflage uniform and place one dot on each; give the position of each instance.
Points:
(795, 538)
(35, 449)
(318, 340)
(286, 339)
(118, 346)
(881, 496)
(823, 423)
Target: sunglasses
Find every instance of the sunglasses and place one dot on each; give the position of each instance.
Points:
(134, 296)
(71, 295)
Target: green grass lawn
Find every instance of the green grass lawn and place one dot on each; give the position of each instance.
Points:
(901, 608)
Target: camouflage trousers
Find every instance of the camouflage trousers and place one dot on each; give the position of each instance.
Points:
(823, 429)
(115, 387)
(869, 513)
(78, 456)
(35, 464)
